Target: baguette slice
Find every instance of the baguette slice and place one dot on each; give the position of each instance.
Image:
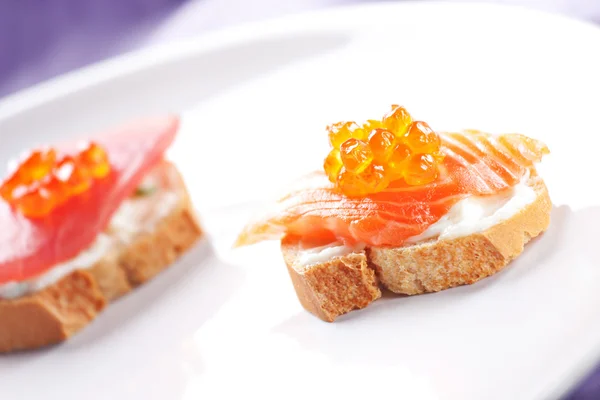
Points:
(156, 237)
(350, 282)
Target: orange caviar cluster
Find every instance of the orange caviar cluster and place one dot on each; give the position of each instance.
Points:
(43, 181)
(366, 158)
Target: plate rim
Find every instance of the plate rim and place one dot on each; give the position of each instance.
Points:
(320, 19)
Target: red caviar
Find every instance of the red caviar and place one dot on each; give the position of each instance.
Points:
(43, 181)
(365, 158)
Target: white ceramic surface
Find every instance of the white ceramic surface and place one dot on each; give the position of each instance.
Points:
(255, 99)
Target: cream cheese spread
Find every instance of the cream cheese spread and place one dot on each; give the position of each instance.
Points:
(471, 215)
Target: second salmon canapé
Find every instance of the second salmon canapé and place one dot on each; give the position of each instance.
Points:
(388, 180)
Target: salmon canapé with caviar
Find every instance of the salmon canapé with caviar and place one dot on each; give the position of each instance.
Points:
(84, 223)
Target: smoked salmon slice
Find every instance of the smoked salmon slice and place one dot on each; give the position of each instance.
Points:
(30, 247)
(475, 164)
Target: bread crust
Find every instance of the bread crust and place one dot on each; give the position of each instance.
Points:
(51, 315)
(60, 310)
(442, 264)
(420, 268)
(334, 287)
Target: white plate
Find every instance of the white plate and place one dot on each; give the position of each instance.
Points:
(222, 324)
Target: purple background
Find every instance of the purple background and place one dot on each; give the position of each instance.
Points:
(40, 39)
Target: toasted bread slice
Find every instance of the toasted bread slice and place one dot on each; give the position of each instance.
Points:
(349, 282)
(61, 309)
